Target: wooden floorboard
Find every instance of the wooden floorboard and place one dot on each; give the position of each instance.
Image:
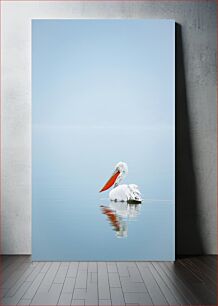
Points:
(171, 284)
(6, 261)
(209, 262)
(188, 281)
(196, 291)
(164, 287)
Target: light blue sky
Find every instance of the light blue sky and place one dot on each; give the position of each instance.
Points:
(103, 72)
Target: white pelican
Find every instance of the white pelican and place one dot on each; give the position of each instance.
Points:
(122, 193)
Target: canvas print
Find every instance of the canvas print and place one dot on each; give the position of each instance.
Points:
(103, 140)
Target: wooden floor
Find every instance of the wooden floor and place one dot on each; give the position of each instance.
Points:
(189, 281)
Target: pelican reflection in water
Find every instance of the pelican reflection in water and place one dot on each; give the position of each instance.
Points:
(119, 214)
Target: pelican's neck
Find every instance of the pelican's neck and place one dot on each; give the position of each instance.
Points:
(119, 179)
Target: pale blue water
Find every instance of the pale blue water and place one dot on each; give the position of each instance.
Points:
(70, 165)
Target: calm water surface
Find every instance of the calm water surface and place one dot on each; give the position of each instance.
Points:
(73, 221)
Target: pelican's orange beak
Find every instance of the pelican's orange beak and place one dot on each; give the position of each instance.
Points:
(111, 181)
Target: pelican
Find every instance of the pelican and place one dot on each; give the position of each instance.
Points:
(122, 193)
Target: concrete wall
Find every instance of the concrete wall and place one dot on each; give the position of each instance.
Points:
(196, 112)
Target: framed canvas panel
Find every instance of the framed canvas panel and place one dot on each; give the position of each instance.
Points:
(103, 140)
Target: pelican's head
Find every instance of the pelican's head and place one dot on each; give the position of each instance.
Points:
(121, 170)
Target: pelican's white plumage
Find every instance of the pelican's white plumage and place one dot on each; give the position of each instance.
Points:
(122, 193)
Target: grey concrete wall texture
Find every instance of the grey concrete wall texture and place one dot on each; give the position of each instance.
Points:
(195, 112)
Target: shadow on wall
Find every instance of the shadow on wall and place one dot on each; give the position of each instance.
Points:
(188, 232)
